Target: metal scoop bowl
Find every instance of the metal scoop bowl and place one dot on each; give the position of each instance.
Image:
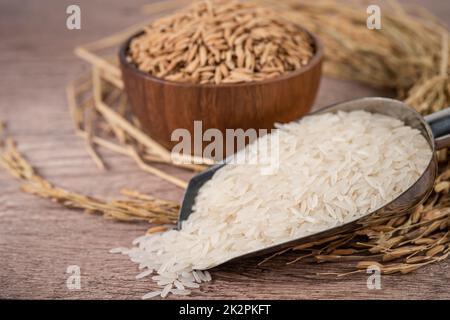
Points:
(436, 130)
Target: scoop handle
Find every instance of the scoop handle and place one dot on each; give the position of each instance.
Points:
(439, 123)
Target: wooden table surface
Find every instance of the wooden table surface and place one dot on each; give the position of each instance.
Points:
(40, 239)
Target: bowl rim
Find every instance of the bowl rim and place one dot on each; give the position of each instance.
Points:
(316, 60)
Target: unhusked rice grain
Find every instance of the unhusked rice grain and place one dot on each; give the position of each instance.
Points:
(220, 42)
(333, 168)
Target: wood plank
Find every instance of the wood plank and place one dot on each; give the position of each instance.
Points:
(40, 239)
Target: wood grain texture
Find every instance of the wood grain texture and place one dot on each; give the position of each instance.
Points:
(40, 239)
(164, 106)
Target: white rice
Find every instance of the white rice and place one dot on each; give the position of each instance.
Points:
(334, 168)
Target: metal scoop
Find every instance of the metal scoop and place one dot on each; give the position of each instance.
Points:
(436, 130)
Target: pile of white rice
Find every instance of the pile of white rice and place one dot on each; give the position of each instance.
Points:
(333, 169)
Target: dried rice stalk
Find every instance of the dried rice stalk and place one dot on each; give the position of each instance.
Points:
(113, 121)
(410, 54)
(98, 127)
(139, 208)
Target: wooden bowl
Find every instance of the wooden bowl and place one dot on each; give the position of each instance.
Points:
(163, 106)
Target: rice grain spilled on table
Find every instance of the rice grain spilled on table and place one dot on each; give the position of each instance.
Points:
(221, 42)
(333, 168)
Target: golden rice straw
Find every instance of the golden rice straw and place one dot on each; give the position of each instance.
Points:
(91, 150)
(98, 61)
(126, 151)
(97, 85)
(146, 167)
(71, 99)
(121, 122)
(98, 99)
(78, 120)
(188, 162)
(141, 208)
(106, 144)
(119, 133)
(94, 155)
(2, 132)
(444, 54)
(113, 80)
(82, 84)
